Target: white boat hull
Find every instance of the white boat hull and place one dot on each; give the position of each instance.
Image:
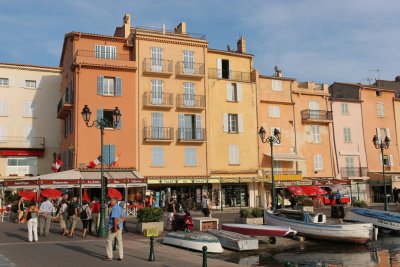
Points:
(359, 233)
(383, 219)
(235, 241)
(194, 241)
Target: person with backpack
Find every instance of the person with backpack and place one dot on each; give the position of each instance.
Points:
(85, 215)
(72, 212)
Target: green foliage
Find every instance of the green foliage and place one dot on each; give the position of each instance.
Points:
(14, 207)
(299, 200)
(308, 202)
(244, 213)
(360, 204)
(150, 215)
(10, 197)
(257, 213)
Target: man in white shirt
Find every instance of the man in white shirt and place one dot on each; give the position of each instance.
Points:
(205, 205)
(45, 217)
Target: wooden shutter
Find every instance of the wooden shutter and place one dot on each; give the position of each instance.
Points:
(3, 107)
(225, 122)
(239, 92)
(106, 154)
(229, 89)
(378, 133)
(100, 85)
(388, 132)
(112, 153)
(391, 160)
(118, 84)
(240, 123)
(199, 130)
(219, 68)
(99, 114)
(181, 125)
(231, 154)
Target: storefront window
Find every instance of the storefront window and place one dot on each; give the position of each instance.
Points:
(235, 195)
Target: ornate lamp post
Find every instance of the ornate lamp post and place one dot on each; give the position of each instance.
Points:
(273, 139)
(101, 124)
(382, 144)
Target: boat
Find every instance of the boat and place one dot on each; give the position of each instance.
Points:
(234, 241)
(258, 229)
(194, 241)
(383, 219)
(359, 233)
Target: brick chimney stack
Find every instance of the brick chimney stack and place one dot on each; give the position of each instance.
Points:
(241, 45)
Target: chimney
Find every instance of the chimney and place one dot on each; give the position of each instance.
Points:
(278, 72)
(127, 25)
(241, 45)
(181, 28)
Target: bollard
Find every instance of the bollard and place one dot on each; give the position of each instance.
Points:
(205, 256)
(151, 255)
(115, 244)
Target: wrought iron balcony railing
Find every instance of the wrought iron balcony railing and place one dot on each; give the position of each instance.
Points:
(22, 142)
(191, 101)
(191, 134)
(102, 55)
(316, 115)
(151, 99)
(153, 133)
(159, 66)
(190, 69)
(347, 172)
(229, 75)
(65, 104)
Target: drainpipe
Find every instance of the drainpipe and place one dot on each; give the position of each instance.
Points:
(294, 123)
(333, 149)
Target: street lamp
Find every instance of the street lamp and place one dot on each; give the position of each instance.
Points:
(101, 124)
(273, 139)
(382, 144)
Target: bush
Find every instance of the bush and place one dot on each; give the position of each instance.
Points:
(150, 215)
(257, 213)
(308, 202)
(244, 213)
(360, 204)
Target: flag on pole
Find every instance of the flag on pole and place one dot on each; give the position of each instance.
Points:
(57, 163)
(114, 163)
(95, 162)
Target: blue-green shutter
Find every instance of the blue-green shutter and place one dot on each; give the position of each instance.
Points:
(99, 115)
(119, 125)
(65, 159)
(199, 130)
(118, 84)
(112, 153)
(100, 85)
(106, 154)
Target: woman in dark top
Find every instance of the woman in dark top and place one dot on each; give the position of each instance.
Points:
(32, 222)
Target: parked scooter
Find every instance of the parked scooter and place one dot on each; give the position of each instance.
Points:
(183, 223)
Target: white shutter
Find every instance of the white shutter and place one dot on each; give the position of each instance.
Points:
(313, 105)
(239, 92)
(22, 84)
(378, 133)
(3, 133)
(225, 122)
(229, 89)
(11, 82)
(391, 160)
(388, 132)
(219, 68)
(240, 122)
(234, 154)
(3, 107)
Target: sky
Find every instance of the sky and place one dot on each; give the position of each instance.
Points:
(310, 40)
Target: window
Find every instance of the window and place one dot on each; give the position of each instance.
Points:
(22, 166)
(4, 82)
(157, 156)
(350, 166)
(157, 88)
(271, 133)
(318, 165)
(234, 155)
(190, 127)
(190, 156)
(276, 85)
(378, 93)
(107, 115)
(274, 111)
(189, 99)
(3, 107)
(347, 135)
(105, 51)
(71, 122)
(108, 154)
(232, 123)
(381, 133)
(156, 58)
(316, 135)
(380, 109)
(109, 86)
(314, 109)
(29, 109)
(157, 123)
(71, 158)
(188, 62)
(225, 68)
(30, 84)
(3, 133)
(387, 160)
(234, 92)
(345, 108)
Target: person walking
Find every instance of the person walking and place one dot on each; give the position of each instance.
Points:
(95, 211)
(63, 217)
(170, 213)
(85, 216)
(338, 197)
(331, 199)
(115, 231)
(72, 211)
(395, 195)
(32, 222)
(45, 210)
(205, 206)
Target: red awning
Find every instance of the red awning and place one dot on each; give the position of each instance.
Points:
(296, 190)
(22, 152)
(307, 190)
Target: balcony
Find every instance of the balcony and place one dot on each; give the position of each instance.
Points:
(194, 135)
(22, 142)
(158, 100)
(190, 70)
(154, 66)
(158, 134)
(229, 75)
(65, 105)
(316, 116)
(347, 172)
(108, 59)
(188, 101)
(285, 175)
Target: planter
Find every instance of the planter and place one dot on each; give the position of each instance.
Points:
(140, 227)
(249, 220)
(309, 209)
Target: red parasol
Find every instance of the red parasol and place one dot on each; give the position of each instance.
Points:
(112, 192)
(85, 196)
(27, 194)
(52, 193)
(310, 190)
(296, 190)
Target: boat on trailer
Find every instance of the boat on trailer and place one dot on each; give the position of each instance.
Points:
(258, 229)
(316, 227)
(383, 219)
(194, 241)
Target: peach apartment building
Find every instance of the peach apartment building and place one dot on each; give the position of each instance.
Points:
(29, 131)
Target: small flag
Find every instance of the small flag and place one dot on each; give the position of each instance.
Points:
(95, 162)
(57, 164)
(114, 163)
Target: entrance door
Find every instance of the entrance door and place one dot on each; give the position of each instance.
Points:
(314, 109)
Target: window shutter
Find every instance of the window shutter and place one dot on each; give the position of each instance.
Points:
(229, 89)
(225, 122)
(219, 68)
(161, 155)
(240, 122)
(381, 160)
(3, 107)
(106, 154)
(119, 125)
(194, 156)
(112, 153)
(378, 133)
(231, 154)
(239, 92)
(199, 130)
(388, 132)
(99, 115)
(10, 82)
(3, 133)
(181, 125)
(391, 160)
(100, 85)
(118, 84)
(22, 84)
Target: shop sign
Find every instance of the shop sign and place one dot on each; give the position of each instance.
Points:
(20, 183)
(185, 181)
(91, 181)
(168, 181)
(58, 182)
(126, 181)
